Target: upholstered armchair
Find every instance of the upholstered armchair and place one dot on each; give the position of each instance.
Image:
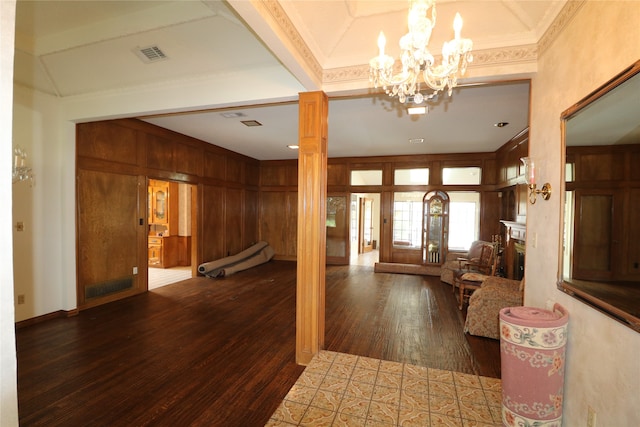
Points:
(483, 313)
(454, 260)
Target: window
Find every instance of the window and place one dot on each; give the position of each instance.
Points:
(464, 219)
(407, 219)
(418, 176)
(461, 176)
(569, 172)
(366, 177)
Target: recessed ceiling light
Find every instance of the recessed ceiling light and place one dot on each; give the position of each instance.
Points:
(501, 124)
(293, 147)
(416, 140)
(417, 110)
(251, 123)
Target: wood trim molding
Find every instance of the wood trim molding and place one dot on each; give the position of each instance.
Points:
(49, 316)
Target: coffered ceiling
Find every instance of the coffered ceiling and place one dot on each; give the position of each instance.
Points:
(262, 54)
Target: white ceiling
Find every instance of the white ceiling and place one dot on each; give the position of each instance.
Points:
(74, 49)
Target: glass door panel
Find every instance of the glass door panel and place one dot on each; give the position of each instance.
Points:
(337, 229)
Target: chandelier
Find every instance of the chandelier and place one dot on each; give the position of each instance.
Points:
(417, 59)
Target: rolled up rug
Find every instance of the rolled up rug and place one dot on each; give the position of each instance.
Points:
(532, 350)
(213, 268)
(261, 257)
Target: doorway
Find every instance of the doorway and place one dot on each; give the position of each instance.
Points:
(364, 230)
(170, 222)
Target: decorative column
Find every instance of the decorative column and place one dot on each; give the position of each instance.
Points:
(311, 249)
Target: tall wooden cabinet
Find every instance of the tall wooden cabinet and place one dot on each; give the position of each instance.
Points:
(163, 223)
(158, 202)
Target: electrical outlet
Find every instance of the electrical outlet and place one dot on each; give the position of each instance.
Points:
(135, 270)
(591, 417)
(20, 299)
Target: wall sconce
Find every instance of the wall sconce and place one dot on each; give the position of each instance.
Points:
(21, 172)
(530, 179)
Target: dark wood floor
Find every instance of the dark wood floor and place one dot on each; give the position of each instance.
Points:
(221, 352)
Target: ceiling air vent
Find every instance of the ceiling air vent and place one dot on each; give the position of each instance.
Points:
(150, 54)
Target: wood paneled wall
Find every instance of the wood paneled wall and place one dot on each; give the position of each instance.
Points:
(226, 217)
(278, 192)
(278, 211)
(510, 178)
(610, 235)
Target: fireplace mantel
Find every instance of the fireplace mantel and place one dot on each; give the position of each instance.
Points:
(514, 239)
(515, 230)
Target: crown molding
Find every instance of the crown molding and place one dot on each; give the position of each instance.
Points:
(512, 55)
(567, 13)
(291, 34)
(505, 55)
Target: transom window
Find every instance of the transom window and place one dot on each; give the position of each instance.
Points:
(416, 176)
(366, 177)
(461, 176)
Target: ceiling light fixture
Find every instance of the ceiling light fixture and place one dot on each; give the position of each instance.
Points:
(416, 58)
(417, 110)
(232, 114)
(501, 124)
(293, 147)
(416, 140)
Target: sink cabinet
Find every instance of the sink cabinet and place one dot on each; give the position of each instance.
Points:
(163, 251)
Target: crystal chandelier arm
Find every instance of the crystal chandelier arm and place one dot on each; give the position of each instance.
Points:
(436, 77)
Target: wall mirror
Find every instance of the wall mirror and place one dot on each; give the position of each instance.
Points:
(600, 264)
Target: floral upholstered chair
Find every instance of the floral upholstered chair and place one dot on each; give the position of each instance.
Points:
(454, 258)
(483, 313)
(472, 273)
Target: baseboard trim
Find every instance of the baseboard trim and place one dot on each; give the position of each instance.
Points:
(39, 319)
(285, 258)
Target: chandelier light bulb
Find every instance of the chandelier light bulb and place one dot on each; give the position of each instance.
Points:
(412, 18)
(457, 25)
(382, 41)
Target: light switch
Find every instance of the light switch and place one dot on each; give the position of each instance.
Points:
(19, 226)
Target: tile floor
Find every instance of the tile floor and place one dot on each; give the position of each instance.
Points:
(339, 389)
(159, 277)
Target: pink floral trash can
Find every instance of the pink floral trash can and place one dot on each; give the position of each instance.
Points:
(532, 351)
